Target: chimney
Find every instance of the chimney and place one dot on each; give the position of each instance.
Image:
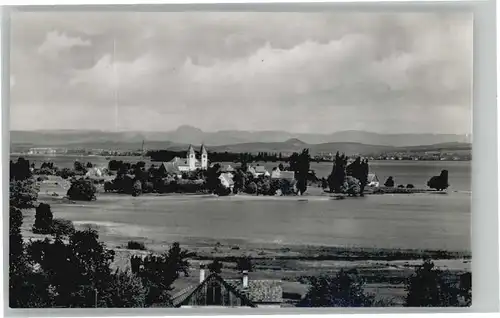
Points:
(245, 279)
(202, 273)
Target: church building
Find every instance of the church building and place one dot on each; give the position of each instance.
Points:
(191, 163)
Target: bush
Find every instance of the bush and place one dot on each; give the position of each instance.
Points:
(431, 287)
(134, 245)
(410, 186)
(251, 188)
(82, 190)
(43, 219)
(389, 182)
(346, 289)
(137, 189)
(65, 173)
(62, 227)
(351, 186)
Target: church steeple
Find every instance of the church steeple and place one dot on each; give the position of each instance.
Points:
(204, 157)
(191, 158)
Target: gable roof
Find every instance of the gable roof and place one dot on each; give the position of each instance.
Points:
(184, 295)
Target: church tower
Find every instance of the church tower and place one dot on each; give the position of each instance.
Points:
(191, 158)
(204, 157)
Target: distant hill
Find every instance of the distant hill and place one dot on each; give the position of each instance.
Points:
(191, 135)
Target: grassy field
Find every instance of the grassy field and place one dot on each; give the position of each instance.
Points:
(383, 236)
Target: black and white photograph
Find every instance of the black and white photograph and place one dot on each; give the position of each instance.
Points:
(256, 159)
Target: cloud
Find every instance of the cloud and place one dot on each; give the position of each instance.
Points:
(56, 42)
(328, 71)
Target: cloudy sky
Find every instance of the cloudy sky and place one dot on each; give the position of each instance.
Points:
(300, 72)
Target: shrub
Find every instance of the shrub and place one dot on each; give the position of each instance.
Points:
(65, 173)
(251, 188)
(43, 219)
(431, 287)
(134, 245)
(351, 186)
(345, 289)
(401, 186)
(82, 190)
(389, 182)
(137, 188)
(62, 227)
(410, 186)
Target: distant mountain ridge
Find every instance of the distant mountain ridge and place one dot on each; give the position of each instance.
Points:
(191, 135)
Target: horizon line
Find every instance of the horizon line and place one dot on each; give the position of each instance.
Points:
(243, 130)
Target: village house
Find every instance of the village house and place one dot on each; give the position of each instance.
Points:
(179, 165)
(258, 171)
(215, 291)
(226, 179)
(285, 175)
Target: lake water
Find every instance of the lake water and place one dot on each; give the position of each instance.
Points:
(417, 221)
(403, 172)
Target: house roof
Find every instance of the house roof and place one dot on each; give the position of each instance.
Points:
(258, 291)
(170, 167)
(260, 169)
(184, 295)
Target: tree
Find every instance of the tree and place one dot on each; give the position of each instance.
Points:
(89, 165)
(337, 177)
(84, 259)
(79, 168)
(359, 169)
(158, 273)
(345, 289)
(389, 182)
(215, 267)
(20, 170)
(23, 193)
(82, 190)
(439, 182)
(43, 219)
(244, 264)
(430, 287)
(125, 291)
(300, 164)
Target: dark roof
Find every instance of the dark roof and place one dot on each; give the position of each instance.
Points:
(260, 291)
